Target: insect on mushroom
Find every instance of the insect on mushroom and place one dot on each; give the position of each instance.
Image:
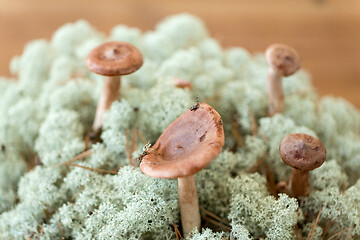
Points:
(283, 61)
(112, 60)
(186, 146)
(145, 152)
(303, 153)
(196, 106)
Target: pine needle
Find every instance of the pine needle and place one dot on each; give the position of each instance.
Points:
(128, 151)
(131, 145)
(141, 135)
(77, 194)
(41, 231)
(213, 215)
(263, 136)
(60, 227)
(254, 125)
(177, 232)
(134, 140)
(316, 222)
(338, 233)
(348, 236)
(86, 142)
(95, 169)
(255, 167)
(298, 233)
(239, 139)
(338, 227)
(226, 228)
(215, 219)
(326, 228)
(76, 158)
(270, 180)
(134, 144)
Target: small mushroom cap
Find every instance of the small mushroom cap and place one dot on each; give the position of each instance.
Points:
(114, 59)
(187, 145)
(284, 60)
(302, 151)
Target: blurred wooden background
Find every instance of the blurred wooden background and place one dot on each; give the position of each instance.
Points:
(325, 32)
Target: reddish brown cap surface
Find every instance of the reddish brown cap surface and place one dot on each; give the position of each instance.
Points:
(283, 59)
(302, 151)
(114, 59)
(188, 145)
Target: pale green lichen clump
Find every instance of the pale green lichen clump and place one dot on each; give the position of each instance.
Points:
(47, 113)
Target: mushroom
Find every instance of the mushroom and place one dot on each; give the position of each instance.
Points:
(284, 61)
(186, 146)
(112, 60)
(182, 83)
(303, 153)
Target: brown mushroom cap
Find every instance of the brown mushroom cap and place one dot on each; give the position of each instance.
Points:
(283, 59)
(114, 59)
(187, 145)
(302, 151)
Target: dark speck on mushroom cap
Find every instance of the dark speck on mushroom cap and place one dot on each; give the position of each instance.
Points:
(187, 145)
(283, 59)
(302, 151)
(114, 59)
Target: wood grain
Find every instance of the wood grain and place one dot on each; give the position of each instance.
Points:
(326, 33)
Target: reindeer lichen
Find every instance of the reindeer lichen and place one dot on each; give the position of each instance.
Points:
(58, 183)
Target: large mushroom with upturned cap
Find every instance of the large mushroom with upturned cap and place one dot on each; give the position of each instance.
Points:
(303, 153)
(187, 145)
(112, 60)
(283, 61)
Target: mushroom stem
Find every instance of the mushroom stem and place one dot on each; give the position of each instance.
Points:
(109, 94)
(189, 204)
(275, 93)
(299, 183)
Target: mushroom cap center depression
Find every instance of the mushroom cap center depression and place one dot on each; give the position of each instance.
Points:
(114, 59)
(189, 144)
